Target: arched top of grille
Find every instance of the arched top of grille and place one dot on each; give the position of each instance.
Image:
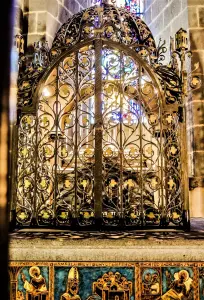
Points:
(107, 22)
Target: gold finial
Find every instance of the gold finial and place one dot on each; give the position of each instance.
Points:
(181, 39)
(19, 43)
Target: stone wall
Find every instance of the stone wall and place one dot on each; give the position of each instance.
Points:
(40, 19)
(195, 106)
(165, 18)
(196, 29)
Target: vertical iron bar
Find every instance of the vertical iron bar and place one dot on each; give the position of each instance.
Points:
(184, 149)
(34, 218)
(14, 170)
(56, 143)
(165, 141)
(141, 151)
(98, 133)
(76, 134)
(163, 217)
(121, 132)
(184, 172)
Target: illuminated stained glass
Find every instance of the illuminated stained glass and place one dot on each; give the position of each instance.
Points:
(134, 6)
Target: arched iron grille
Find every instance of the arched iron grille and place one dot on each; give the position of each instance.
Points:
(101, 128)
(101, 146)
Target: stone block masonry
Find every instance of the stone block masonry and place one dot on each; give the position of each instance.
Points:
(41, 19)
(196, 103)
(165, 18)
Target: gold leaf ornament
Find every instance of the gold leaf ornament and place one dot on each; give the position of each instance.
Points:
(173, 150)
(84, 60)
(48, 151)
(113, 183)
(87, 215)
(99, 9)
(131, 89)
(196, 65)
(109, 89)
(84, 183)
(143, 52)
(85, 121)
(25, 85)
(88, 152)
(63, 215)
(175, 215)
(64, 152)
(68, 41)
(148, 150)
(110, 215)
(69, 61)
(154, 182)
(28, 120)
(43, 183)
(133, 216)
(87, 29)
(169, 119)
(151, 215)
(86, 15)
(171, 184)
(109, 29)
(130, 183)
(45, 215)
(87, 91)
(22, 216)
(153, 118)
(67, 183)
(133, 152)
(108, 152)
(45, 120)
(27, 183)
(195, 81)
(24, 152)
(127, 38)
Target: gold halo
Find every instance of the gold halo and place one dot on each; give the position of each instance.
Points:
(184, 273)
(32, 269)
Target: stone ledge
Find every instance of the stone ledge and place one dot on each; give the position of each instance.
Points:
(106, 250)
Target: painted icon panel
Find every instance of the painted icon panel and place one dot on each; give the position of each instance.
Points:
(106, 281)
(94, 283)
(29, 282)
(177, 282)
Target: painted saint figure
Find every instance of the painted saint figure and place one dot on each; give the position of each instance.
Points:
(37, 283)
(181, 288)
(151, 283)
(72, 286)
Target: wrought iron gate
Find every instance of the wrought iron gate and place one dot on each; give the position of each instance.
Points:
(101, 146)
